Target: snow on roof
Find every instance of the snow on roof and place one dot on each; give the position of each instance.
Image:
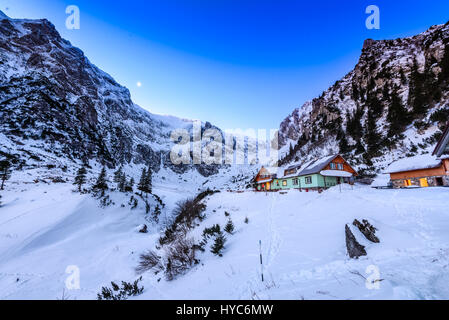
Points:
(316, 165)
(263, 181)
(336, 173)
(424, 161)
(309, 167)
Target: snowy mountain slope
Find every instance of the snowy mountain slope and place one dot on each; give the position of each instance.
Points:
(302, 238)
(55, 105)
(395, 101)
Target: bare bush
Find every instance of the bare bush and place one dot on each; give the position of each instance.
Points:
(149, 260)
(180, 257)
(188, 210)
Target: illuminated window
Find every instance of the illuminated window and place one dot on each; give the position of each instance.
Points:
(284, 183)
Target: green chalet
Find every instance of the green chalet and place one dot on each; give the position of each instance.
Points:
(317, 174)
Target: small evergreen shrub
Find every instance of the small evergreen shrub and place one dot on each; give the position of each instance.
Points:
(229, 228)
(120, 293)
(218, 245)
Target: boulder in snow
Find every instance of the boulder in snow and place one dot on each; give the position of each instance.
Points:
(368, 230)
(143, 229)
(355, 249)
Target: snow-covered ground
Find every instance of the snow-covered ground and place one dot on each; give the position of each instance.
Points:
(44, 228)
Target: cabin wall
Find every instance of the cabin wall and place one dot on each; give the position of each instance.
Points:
(418, 173)
(422, 178)
(346, 166)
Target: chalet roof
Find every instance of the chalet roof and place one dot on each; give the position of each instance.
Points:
(271, 170)
(315, 166)
(423, 161)
(306, 168)
(443, 143)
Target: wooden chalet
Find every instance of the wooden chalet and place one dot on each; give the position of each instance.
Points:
(312, 175)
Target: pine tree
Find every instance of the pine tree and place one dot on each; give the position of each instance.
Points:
(219, 243)
(5, 172)
(229, 228)
(145, 183)
(157, 213)
(149, 180)
(121, 185)
(101, 184)
(145, 186)
(416, 91)
(372, 137)
(374, 106)
(80, 178)
(398, 116)
(142, 182)
(343, 145)
(118, 174)
(444, 75)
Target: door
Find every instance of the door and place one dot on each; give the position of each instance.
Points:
(268, 186)
(407, 183)
(423, 182)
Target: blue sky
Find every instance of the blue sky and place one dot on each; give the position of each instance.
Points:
(238, 64)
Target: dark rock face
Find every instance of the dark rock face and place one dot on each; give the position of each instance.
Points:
(354, 248)
(53, 97)
(368, 230)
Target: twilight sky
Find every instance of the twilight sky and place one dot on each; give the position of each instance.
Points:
(238, 64)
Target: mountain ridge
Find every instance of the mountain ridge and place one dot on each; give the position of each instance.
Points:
(357, 110)
(54, 101)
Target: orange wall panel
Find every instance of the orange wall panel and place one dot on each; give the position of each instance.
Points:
(440, 171)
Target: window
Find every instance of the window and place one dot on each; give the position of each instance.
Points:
(308, 180)
(284, 183)
(340, 166)
(333, 167)
(295, 182)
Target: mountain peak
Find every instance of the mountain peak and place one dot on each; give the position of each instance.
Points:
(3, 15)
(368, 43)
